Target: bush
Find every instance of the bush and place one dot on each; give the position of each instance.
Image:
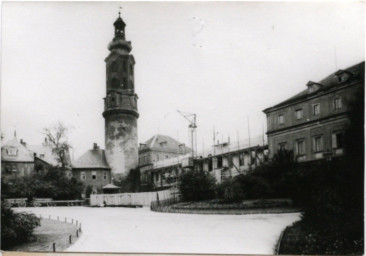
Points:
(54, 184)
(16, 227)
(196, 186)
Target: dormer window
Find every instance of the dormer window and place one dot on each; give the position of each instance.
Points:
(313, 87)
(343, 76)
(12, 152)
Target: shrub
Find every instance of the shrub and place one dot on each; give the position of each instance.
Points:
(196, 186)
(16, 227)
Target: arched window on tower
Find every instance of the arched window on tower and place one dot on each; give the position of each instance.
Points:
(114, 66)
(115, 83)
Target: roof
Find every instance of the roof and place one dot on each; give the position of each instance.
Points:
(165, 143)
(94, 158)
(21, 153)
(45, 153)
(110, 186)
(330, 82)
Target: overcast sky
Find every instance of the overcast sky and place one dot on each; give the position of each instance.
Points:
(226, 62)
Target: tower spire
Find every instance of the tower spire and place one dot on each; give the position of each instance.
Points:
(119, 12)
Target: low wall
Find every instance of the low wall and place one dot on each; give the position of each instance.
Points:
(144, 198)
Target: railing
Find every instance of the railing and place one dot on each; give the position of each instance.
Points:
(53, 247)
(40, 202)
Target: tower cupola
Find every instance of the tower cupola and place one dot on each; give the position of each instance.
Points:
(119, 27)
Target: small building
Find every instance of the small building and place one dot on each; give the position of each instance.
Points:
(312, 122)
(92, 170)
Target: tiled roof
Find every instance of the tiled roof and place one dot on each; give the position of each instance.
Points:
(45, 153)
(328, 83)
(164, 143)
(94, 158)
(22, 154)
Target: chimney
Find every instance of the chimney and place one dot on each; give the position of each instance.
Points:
(95, 146)
(23, 142)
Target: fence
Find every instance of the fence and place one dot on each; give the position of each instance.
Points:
(39, 202)
(53, 246)
(130, 199)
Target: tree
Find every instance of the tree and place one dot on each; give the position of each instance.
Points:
(197, 185)
(57, 136)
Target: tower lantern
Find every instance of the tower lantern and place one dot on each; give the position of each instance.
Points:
(120, 105)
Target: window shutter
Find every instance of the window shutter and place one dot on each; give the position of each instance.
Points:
(334, 140)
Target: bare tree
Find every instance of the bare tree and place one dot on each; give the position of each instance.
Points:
(57, 136)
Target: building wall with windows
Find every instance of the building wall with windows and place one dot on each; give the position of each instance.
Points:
(312, 123)
(92, 170)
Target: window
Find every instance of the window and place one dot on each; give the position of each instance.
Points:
(337, 140)
(7, 168)
(94, 175)
(282, 146)
(124, 83)
(114, 67)
(219, 162)
(337, 103)
(82, 176)
(11, 151)
(281, 119)
(115, 83)
(316, 109)
(210, 164)
(241, 159)
(131, 69)
(318, 143)
(124, 66)
(300, 147)
(14, 168)
(105, 175)
(298, 114)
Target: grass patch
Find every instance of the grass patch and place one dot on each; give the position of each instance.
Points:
(49, 232)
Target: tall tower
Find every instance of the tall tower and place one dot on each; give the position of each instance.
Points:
(120, 105)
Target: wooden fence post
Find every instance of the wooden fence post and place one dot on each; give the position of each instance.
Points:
(77, 233)
(70, 239)
(54, 247)
(65, 219)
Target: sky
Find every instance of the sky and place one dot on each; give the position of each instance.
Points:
(224, 61)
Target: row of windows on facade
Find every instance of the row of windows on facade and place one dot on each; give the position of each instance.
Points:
(317, 144)
(93, 175)
(15, 168)
(316, 111)
(114, 67)
(145, 159)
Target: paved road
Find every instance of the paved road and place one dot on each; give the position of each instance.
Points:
(140, 230)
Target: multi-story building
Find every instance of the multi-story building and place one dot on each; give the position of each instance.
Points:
(156, 149)
(312, 122)
(20, 159)
(16, 159)
(224, 161)
(92, 170)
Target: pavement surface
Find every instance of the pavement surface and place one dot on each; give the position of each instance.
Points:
(133, 230)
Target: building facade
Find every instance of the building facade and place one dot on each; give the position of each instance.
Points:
(92, 170)
(120, 105)
(20, 159)
(228, 161)
(158, 148)
(312, 123)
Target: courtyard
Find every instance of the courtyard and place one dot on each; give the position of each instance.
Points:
(141, 230)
